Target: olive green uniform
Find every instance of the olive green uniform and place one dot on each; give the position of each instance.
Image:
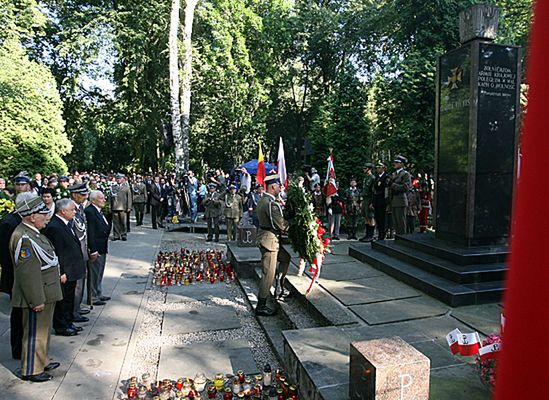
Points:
(121, 202)
(271, 225)
(212, 204)
(36, 281)
(352, 204)
(401, 183)
(233, 213)
(139, 198)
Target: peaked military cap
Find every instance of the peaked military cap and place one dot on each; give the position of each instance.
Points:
(26, 206)
(63, 179)
(271, 179)
(22, 177)
(400, 159)
(80, 188)
(368, 165)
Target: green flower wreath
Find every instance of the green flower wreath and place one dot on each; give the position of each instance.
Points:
(303, 226)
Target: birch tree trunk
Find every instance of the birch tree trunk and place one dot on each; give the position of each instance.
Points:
(174, 87)
(186, 81)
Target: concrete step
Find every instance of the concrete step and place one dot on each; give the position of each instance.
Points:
(451, 293)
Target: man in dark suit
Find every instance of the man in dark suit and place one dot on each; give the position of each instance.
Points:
(156, 203)
(71, 262)
(98, 242)
(7, 226)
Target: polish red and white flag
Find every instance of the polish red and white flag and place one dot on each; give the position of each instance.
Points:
(469, 344)
(330, 185)
(502, 322)
(453, 340)
(489, 352)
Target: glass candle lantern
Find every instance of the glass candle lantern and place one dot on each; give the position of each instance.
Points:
(241, 376)
(267, 375)
(211, 392)
(219, 381)
(200, 382)
(228, 394)
(236, 385)
(132, 391)
(179, 384)
(142, 393)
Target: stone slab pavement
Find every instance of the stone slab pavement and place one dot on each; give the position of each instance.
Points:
(91, 362)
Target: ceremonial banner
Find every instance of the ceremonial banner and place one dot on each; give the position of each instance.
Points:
(281, 166)
(260, 176)
(330, 186)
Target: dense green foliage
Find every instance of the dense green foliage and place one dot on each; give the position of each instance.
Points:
(31, 124)
(353, 75)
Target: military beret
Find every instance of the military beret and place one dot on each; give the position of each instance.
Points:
(368, 166)
(22, 177)
(400, 159)
(28, 205)
(272, 179)
(79, 188)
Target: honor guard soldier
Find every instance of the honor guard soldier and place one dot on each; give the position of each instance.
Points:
(352, 204)
(232, 211)
(212, 204)
(79, 194)
(401, 183)
(139, 191)
(380, 198)
(367, 199)
(36, 287)
(22, 183)
(121, 204)
(271, 226)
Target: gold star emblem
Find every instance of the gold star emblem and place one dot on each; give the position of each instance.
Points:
(455, 78)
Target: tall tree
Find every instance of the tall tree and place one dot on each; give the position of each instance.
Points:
(174, 87)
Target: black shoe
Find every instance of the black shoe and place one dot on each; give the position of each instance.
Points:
(16, 356)
(104, 298)
(366, 239)
(154, 227)
(263, 310)
(115, 239)
(284, 294)
(84, 312)
(51, 366)
(80, 319)
(162, 226)
(124, 239)
(76, 328)
(208, 240)
(335, 238)
(217, 240)
(99, 303)
(66, 332)
(43, 377)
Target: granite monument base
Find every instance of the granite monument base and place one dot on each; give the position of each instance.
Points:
(388, 369)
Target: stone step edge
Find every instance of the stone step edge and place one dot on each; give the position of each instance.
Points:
(309, 304)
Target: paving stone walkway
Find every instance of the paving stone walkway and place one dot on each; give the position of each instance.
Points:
(167, 332)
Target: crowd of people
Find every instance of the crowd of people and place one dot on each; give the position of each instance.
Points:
(62, 224)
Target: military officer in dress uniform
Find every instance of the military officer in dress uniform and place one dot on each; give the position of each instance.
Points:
(36, 287)
(139, 192)
(212, 204)
(79, 194)
(271, 225)
(253, 200)
(401, 183)
(352, 205)
(121, 204)
(380, 198)
(232, 211)
(22, 183)
(7, 227)
(367, 199)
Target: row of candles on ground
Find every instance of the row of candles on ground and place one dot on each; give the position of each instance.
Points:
(234, 387)
(186, 266)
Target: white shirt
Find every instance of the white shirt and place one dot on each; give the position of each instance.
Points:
(66, 221)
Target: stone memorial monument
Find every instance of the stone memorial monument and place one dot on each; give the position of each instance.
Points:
(476, 142)
(246, 233)
(476, 133)
(388, 369)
